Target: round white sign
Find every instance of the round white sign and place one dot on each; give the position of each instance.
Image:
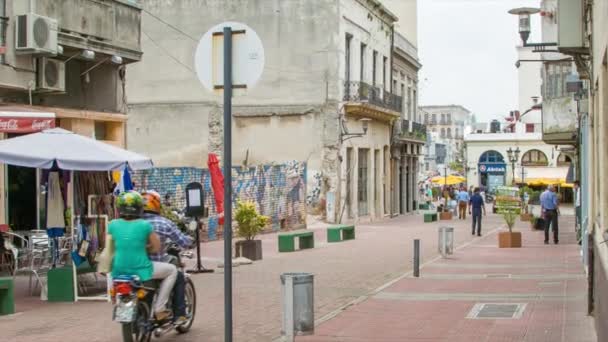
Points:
(247, 57)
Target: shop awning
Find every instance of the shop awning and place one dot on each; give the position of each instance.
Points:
(69, 151)
(22, 120)
(542, 176)
(449, 180)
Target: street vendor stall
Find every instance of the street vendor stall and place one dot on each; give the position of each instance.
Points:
(75, 167)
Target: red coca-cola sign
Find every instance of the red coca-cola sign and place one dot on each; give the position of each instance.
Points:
(25, 125)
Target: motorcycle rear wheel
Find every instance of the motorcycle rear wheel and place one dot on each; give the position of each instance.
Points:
(190, 307)
(136, 331)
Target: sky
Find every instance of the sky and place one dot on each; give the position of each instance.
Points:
(467, 49)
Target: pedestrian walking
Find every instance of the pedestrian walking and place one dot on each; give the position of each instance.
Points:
(476, 207)
(463, 201)
(550, 212)
(577, 211)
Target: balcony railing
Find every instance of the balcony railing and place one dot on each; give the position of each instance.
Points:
(363, 92)
(415, 132)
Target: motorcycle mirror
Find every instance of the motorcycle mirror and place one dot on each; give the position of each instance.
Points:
(192, 226)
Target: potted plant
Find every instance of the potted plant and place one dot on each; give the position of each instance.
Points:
(445, 213)
(249, 224)
(509, 239)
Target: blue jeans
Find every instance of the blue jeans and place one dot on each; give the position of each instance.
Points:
(179, 294)
(476, 222)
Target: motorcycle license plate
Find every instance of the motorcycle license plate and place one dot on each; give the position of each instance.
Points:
(124, 312)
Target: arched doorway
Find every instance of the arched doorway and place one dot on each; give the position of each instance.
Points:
(534, 158)
(492, 169)
(563, 160)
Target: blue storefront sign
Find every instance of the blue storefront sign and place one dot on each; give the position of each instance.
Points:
(494, 168)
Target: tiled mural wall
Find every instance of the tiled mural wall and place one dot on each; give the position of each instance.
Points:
(278, 190)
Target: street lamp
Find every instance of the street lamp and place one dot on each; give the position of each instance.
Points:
(513, 156)
(364, 126)
(524, 27)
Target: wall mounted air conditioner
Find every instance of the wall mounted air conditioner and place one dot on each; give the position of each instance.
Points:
(50, 75)
(35, 34)
(570, 25)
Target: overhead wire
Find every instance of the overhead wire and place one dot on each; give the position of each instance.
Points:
(167, 52)
(180, 31)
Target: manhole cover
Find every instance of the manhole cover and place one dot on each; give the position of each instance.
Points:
(497, 311)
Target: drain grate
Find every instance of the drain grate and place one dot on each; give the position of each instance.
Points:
(497, 311)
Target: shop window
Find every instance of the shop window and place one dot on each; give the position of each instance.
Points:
(101, 130)
(534, 158)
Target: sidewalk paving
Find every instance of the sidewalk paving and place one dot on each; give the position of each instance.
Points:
(343, 272)
(548, 281)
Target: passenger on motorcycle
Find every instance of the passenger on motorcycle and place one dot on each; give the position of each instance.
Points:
(132, 239)
(167, 231)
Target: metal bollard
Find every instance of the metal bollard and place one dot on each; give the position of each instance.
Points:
(446, 241)
(297, 290)
(416, 258)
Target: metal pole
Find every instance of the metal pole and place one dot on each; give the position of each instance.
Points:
(227, 184)
(289, 319)
(198, 245)
(512, 172)
(416, 258)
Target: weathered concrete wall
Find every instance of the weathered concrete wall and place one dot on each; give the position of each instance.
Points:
(299, 39)
(171, 134)
(278, 190)
(407, 11)
(291, 113)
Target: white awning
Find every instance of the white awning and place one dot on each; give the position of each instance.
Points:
(69, 151)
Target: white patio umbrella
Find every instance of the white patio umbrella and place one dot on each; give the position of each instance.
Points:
(70, 151)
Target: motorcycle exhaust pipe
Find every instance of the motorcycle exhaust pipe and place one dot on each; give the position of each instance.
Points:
(160, 331)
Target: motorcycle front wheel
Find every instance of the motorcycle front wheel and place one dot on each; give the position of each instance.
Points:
(137, 331)
(190, 296)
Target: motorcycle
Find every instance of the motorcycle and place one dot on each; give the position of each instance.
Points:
(133, 301)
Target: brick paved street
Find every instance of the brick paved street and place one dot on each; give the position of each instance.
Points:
(549, 280)
(343, 272)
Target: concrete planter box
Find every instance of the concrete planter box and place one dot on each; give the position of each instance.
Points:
(445, 216)
(509, 240)
(250, 249)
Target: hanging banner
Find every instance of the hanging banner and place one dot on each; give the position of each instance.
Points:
(25, 125)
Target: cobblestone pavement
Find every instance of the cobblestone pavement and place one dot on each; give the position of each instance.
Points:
(343, 272)
(547, 280)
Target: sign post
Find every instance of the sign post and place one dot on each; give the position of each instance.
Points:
(247, 62)
(195, 207)
(228, 184)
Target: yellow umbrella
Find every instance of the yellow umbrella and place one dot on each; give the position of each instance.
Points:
(449, 180)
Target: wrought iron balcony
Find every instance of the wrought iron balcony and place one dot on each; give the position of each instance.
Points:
(415, 132)
(365, 93)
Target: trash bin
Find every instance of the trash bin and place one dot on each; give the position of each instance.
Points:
(446, 241)
(303, 303)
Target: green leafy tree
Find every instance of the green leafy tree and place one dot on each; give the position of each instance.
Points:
(249, 222)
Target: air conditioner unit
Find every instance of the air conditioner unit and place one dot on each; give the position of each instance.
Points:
(51, 75)
(35, 34)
